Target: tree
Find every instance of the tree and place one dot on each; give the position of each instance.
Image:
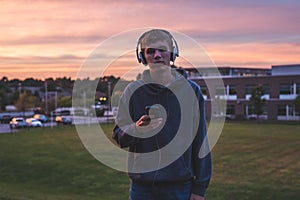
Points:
(3, 100)
(65, 102)
(4, 90)
(256, 100)
(26, 101)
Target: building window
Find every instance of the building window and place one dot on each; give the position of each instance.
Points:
(220, 92)
(288, 91)
(291, 110)
(282, 110)
(266, 88)
(266, 92)
(250, 113)
(232, 90)
(287, 112)
(250, 87)
(230, 110)
(228, 92)
(248, 110)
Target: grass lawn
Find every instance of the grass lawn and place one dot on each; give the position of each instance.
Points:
(249, 162)
(256, 161)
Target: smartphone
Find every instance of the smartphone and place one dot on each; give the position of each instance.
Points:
(152, 111)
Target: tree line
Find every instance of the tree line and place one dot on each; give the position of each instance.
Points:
(31, 93)
(17, 92)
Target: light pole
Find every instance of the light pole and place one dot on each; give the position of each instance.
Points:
(55, 103)
(84, 99)
(108, 96)
(46, 98)
(108, 100)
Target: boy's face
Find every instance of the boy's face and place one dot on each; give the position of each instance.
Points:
(158, 54)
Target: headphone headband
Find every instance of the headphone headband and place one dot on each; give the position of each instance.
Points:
(140, 55)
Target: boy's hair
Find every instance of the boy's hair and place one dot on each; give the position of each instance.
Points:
(156, 35)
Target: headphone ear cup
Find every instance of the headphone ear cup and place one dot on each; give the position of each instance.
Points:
(142, 58)
(174, 54)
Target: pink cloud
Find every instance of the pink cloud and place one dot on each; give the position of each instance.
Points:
(42, 32)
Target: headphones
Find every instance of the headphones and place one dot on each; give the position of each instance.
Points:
(140, 54)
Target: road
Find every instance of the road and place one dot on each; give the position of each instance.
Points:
(4, 128)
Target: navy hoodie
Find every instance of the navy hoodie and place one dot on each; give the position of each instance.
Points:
(173, 153)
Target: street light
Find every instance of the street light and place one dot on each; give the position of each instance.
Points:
(108, 95)
(108, 99)
(46, 97)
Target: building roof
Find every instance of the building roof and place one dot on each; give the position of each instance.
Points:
(227, 71)
(293, 69)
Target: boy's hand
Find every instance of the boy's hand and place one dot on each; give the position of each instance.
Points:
(196, 197)
(146, 124)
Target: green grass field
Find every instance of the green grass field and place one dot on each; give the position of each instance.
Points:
(250, 161)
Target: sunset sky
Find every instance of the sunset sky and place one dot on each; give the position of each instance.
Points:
(52, 38)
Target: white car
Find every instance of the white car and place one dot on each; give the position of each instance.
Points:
(18, 122)
(32, 122)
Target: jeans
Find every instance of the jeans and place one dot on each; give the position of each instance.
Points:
(160, 191)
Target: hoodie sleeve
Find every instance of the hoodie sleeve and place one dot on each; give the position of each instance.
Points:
(201, 152)
(125, 127)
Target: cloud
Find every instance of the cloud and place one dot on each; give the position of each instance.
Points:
(52, 39)
(45, 33)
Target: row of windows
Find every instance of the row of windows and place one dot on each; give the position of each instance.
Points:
(283, 110)
(284, 89)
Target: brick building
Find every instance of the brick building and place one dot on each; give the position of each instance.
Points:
(281, 85)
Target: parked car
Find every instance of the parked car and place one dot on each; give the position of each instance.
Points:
(17, 122)
(63, 120)
(32, 122)
(41, 118)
